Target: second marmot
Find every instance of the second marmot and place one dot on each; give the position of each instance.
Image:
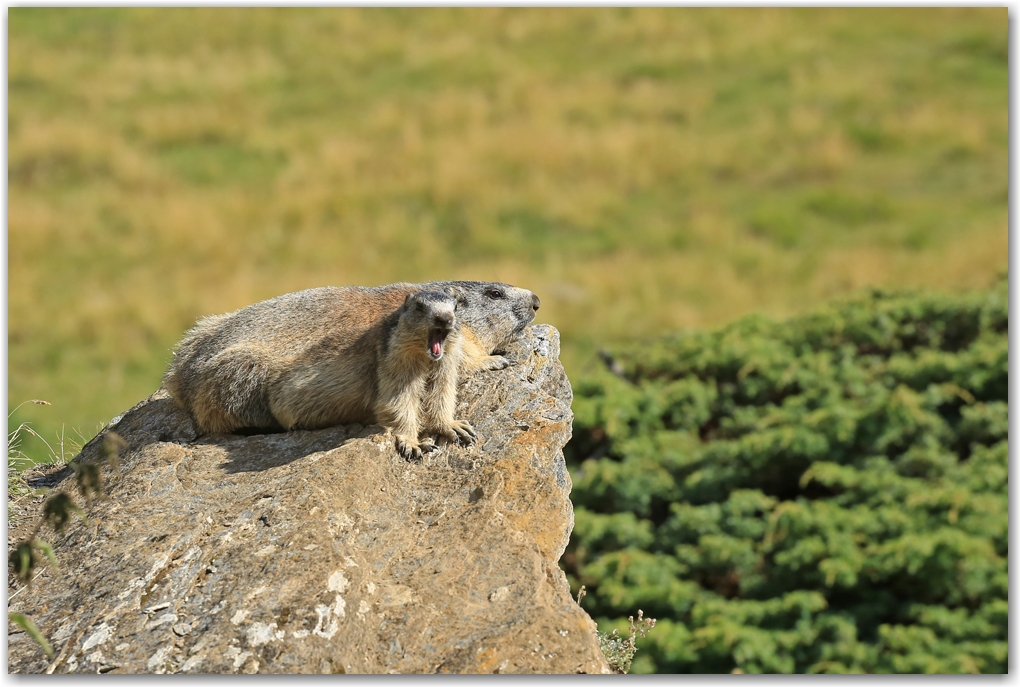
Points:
(319, 357)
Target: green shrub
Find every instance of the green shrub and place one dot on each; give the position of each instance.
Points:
(826, 494)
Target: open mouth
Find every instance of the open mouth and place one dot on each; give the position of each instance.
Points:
(436, 339)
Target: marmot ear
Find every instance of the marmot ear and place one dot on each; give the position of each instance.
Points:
(409, 298)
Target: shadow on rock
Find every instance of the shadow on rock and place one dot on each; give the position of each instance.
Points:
(258, 452)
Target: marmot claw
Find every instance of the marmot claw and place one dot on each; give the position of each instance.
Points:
(410, 450)
(460, 432)
(465, 432)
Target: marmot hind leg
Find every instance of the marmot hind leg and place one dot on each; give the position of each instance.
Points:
(232, 392)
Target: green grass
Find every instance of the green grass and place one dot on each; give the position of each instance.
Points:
(642, 170)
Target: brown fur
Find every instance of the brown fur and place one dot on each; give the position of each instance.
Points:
(318, 358)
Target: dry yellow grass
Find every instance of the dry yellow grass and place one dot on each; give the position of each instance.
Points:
(642, 170)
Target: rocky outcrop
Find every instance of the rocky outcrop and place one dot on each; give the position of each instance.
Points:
(313, 552)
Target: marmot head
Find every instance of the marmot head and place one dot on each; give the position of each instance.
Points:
(432, 314)
(495, 312)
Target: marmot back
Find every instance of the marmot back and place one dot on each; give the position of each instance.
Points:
(224, 367)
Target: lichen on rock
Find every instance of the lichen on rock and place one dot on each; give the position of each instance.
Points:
(312, 552)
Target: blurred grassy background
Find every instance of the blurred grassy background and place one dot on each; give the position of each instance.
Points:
(642, 170)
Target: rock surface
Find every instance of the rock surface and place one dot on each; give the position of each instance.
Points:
(325, 552)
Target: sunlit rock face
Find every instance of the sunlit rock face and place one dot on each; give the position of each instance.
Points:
(325, 551)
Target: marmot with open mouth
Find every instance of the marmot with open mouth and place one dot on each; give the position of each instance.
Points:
(417, 393)
(337, 355)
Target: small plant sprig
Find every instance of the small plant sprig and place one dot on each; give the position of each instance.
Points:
(57, 512)
(59, 507)
(66, 447)
(619, 651)
(17, 460)
(28, 626)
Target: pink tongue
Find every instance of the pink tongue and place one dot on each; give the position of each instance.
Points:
(437, 348)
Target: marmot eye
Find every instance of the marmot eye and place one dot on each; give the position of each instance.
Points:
(494, 294)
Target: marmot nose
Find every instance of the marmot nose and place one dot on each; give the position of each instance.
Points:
(535, 302)
(444, 319)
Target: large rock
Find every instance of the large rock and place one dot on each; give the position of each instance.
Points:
(325, 551)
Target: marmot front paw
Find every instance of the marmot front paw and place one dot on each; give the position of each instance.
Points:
(495, 362)
(460, 431)
(411, 449)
